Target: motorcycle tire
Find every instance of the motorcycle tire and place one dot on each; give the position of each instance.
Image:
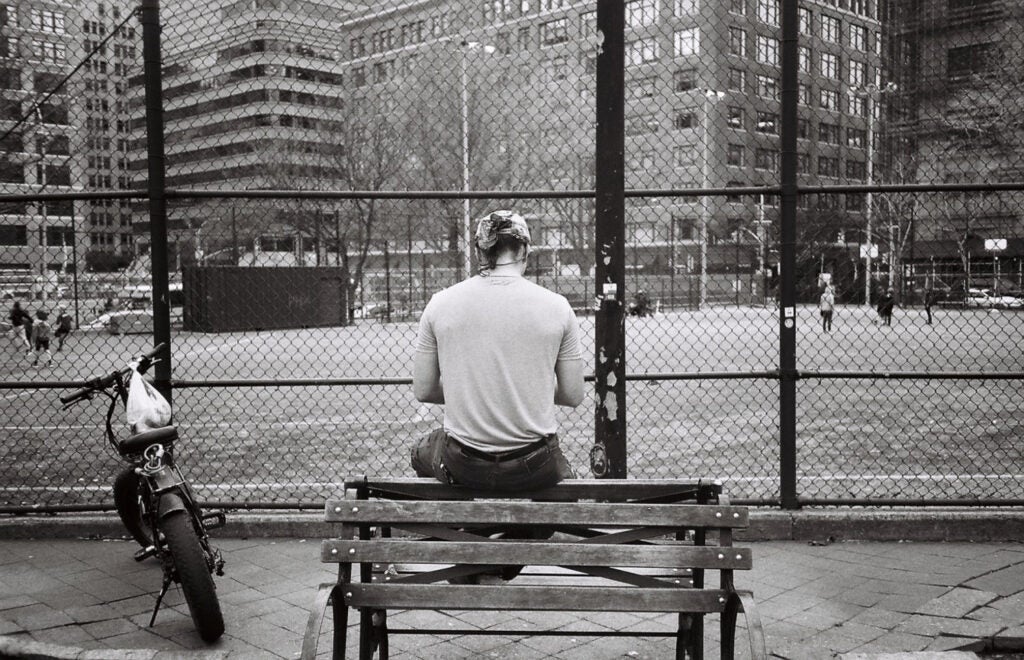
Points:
(127, 493)
(193, 574)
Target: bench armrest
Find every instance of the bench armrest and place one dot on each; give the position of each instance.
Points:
(316, 619)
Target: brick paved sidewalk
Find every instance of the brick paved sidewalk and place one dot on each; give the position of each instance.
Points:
(815, 602)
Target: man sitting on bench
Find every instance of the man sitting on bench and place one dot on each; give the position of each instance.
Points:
(499, 352)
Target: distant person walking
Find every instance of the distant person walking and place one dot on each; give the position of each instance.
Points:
(827, 304)
(63, 323)
(41, 332)
(930, 298)
(885, 304)
(21, 323)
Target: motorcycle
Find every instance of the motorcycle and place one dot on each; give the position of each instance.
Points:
(157, 505)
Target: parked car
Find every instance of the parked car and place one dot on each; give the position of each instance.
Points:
(1007, 302)
(979, 298)
(133, 321)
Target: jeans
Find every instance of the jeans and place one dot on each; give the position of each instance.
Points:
(443, 458)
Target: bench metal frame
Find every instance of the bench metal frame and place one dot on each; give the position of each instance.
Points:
(622, 546)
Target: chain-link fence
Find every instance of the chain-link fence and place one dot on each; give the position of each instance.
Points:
(324, 163)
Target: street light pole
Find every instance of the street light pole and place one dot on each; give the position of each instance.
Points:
(869, 92)
(705, 214)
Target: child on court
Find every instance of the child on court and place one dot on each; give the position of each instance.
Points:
(63, 328)
(41, 337)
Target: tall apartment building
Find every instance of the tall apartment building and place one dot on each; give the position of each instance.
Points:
(248, 84)
(959, 65)
(37, 38)
(111, 41)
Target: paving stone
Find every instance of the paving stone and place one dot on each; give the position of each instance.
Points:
(957, 602)
(933, 626)
(1005, 582)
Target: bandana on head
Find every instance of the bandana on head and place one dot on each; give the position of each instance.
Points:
(500, 222)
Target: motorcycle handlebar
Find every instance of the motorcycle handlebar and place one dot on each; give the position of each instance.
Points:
(103, 382)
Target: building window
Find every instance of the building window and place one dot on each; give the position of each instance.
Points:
(737, 41)
(966, 61)
(641, 12)
(806, 21)
(767, 50)
(803, 129)
(830, 65)
(830, 28)
(766, 159)
(828, 99)
(803, 92)
(858, 74)
(859, 38)
(687, 42)
(768, 11)
(736, 155)
(13, 235)
(855, 202)
(858, 105)
(803, 164)
(737, 80)
(735, 117)
(738, 7)
(828, 133)
(554, 32)
(47, 20)
(49, 51)
(642, 51)
(685, 80)
(767, 122)
(804, 58)
(768, 87)
(856, 138)
(828, 166)
(685, 118)
(856, 170)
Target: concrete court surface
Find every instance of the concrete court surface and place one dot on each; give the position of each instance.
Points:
(63, 597)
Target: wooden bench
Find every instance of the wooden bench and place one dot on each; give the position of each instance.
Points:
(618, 546)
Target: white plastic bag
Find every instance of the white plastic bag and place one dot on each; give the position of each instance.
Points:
(146, 409)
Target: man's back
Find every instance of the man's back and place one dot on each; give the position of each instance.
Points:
(497, 341)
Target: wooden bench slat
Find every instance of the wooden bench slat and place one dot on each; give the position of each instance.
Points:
(511, 597)
(384, 512)
(615, 490)
(535, 553)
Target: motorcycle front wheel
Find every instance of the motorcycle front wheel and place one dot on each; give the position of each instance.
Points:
(128, 499)
(193, 574)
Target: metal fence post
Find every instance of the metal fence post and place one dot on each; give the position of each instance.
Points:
(608, 458)
(149, 16)
(787, 258)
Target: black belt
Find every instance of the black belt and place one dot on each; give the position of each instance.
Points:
(502, 456)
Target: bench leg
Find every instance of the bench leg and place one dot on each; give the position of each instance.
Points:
(340, 623)
(380, 632)
(690, 637)
(367, 638)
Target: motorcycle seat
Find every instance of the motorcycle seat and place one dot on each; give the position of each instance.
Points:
(137, 443)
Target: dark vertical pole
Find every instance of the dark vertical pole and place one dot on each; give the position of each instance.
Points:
(74, 260)
(387, 282)
(234, 236)
(787, 261)
(149, 16)
(608, 458)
